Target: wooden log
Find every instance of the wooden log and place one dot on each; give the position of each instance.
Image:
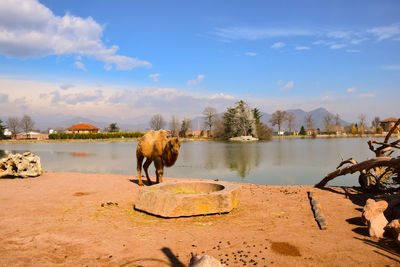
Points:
(317, 210)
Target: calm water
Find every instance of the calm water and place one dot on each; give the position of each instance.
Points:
(279, 162)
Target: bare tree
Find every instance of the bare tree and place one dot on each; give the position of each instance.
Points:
(337, 122)
(13, 125)
(157, 122)
(174, 126)
(278, 117)
(375, 123)
(185, 126)
(210, 115)
(309, 121)
(362, 118)
(328, 122)
(27, 124)
(291, 120)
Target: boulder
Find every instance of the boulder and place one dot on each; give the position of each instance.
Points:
(205, 261)
(376, 220)
(22, 166)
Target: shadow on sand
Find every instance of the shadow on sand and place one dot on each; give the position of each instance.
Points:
(173, 260)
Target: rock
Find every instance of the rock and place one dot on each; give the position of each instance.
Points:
(17, 165)
(376, 220)
(205, 261)
(394, 228)
(187, 198)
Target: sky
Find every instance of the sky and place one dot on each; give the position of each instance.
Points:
(126, 60)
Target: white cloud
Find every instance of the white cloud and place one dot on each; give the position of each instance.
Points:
(250, 54)
(3, 98)
(29, 29)
(357, 41)
(302, 48)
(278, 45)
(337, 46)
(252, 33)
(351, 89)
(221, 95)
(199, 79)
(155, 76)
(80, 65)
(287, 86)
(341, 34)
(386, 32)
(390, 67)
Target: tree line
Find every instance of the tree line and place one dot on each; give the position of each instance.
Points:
(15, 124)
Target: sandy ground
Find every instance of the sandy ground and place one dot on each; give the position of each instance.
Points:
(58, 219)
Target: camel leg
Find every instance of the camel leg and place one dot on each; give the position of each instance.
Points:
(146, 168)
(159, 170)
(139, 158)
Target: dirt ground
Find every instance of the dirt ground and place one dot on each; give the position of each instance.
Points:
(63, 219)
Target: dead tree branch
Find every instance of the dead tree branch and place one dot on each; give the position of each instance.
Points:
(358, 167)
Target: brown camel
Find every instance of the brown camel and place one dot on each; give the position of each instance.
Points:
(154, 146)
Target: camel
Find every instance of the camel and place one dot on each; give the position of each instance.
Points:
(154, 146)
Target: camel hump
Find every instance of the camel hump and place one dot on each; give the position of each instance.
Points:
(152, 143)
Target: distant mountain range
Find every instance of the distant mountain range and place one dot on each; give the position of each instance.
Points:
(63, 121)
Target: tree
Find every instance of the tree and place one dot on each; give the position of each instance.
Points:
(362, 118)
(328, 122)
(278, 117)
(157, 122)
(113, 128)
(375, 123)
(354, 129)
(13, 125)
(27, 124)
(291, 120)
(174, 126)
(185, 126)
(2, 128)
(337, 123)
(243, 120)
(210, 115)
(302, 131)
(309, 121)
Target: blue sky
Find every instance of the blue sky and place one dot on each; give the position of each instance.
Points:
(128, 60)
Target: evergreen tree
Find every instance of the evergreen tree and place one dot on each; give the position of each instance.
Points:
(302, 131)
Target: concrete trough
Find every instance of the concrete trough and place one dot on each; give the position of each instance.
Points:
(188, 198)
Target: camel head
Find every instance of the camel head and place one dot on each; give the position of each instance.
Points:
(171, 151)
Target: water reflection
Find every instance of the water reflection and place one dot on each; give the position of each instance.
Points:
(242, 157)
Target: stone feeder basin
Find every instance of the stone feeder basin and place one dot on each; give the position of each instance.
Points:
(187, 198)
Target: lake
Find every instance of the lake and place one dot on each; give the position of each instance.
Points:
(288, 161)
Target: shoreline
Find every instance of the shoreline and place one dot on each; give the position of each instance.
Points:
(58, 219)
(13, 141)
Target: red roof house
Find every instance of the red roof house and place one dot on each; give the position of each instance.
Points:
(388, 123)
(82, 128)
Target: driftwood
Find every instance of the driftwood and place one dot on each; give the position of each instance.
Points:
(373, 172)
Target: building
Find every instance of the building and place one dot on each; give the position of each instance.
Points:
(82, 128)
(388, 123)
(32, 136)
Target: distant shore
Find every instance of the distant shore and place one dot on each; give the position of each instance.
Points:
(186, 139)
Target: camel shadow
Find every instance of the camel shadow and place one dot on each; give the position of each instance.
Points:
(136, 181)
